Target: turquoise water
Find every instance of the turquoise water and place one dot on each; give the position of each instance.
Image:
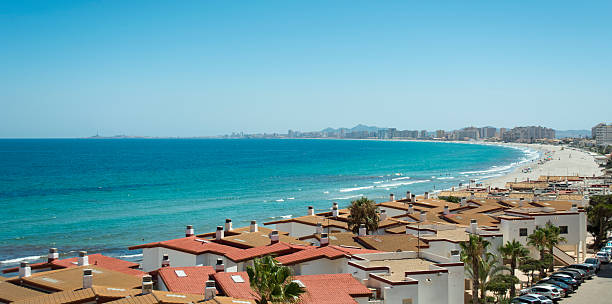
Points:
(104, 195)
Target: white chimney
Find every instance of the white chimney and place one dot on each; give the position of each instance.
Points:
(408, 195)
(253, 227)
(408, 229)
(324, 239)
(83, 259)
(228, 225)
(391, 197)
(274, 237)
(463, 202)
(147, 284)
(319, 228)
(165, 261)
(413, 198)
(362, 230)
(219, 234)
(574, 208)
(426, 195)
(410, 209)
(87, 278)
(189, 231)
(473, 226)
(335, 211)
(219, 267)
(383, 215)
(210, 290)
(24, 270)
(335, 204)
(310, 210)
(53, 255)
(453, 189)
(446, 210)
(521, 200)
(423, 216)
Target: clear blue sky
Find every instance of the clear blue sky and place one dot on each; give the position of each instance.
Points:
(185, 68)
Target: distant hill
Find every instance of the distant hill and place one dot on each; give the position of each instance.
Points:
(357, 128)
(572, 133)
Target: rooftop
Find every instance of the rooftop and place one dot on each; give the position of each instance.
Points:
(186, 279)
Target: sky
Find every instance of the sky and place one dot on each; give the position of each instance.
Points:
(200, 68)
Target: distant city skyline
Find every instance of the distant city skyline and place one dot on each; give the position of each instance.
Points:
(194, 68)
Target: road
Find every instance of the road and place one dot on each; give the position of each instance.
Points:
(594, 291)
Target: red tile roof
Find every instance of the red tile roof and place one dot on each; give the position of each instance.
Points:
(314, 253)
(320, 289)
(193, 283)
(279, 248)
(96, 259)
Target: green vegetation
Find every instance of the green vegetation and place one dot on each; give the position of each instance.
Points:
(450, 199)
(500, 284)
(363, 211)
(544, 239)
(528, 265)
(538, 240)
(490, 267)
(272, 281)
(513, 251)
(600, 217)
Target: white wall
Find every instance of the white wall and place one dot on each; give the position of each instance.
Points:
(321, 266)
(151, 258)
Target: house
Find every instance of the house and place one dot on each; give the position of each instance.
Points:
(191, 280)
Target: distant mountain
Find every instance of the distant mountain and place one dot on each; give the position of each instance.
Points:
(357, 128)
(572, 133)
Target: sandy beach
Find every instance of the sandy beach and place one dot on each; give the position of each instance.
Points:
(564, 161)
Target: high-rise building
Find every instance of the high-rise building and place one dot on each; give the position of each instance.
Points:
(469, 132)
(528, 134)
(440, 133)
(423, 134)
(602, 134)
(487, 132)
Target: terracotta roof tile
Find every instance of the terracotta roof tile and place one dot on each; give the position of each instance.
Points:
(194, 282)
(231, 288)
(10, 292)
(313, 253)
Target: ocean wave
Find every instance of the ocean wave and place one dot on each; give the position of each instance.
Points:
(401, 178)
(288, 216)
(347, 197)
(19, 260)
(356, 189)
(127, 256)
(446, 177)
(392, 185)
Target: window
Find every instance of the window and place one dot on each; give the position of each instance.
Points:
(563, 229)
(523, 232)
(407, 301)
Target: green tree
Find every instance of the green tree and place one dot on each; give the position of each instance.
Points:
(528, 265)
(472, 252)
(272, 281)
(513, 251)
(500, 284)
(363, 211)
(553, 238)
(538, 240)
(489, 267)
(450, 199)
(599, 213)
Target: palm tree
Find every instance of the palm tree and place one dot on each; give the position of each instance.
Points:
(489, 267)
(553, 238)
(538, 240)
(513, 251)
(272, 281)
(363, 211)
(471, 254)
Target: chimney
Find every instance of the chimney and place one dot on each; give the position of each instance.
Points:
(473, 225)
(24, 270)
(274, 237)
(463, 202)
(219, 267)
(228, 225)
(521, 200)
(53, 255)
(391, 197)
(210, 290)
(426, 195)
(87, 278)
(324, 239)
(574, 208)
(219, 234)
(410, 209)
(335, 211)
(383, 215)
(147, 284)
(165, 261)
(335, 204)
(83, 259)
(310, 210)
(453, 189)
(423, 216)
(253, 227)
(446, 210)
(362, 230)
(408, 195)
(413, 198)
(189, 231)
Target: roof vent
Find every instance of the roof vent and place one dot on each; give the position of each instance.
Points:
(53, 255)
(219, 233)
(253, 227)
(189, 231)
(237, 278)
(180, 273)
(87, 278)
(228, 224)
(24, 270)
(83, 259)
(210, 290)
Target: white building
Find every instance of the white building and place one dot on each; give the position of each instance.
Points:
(602, 134)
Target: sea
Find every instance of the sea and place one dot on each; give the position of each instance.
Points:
(104, 195)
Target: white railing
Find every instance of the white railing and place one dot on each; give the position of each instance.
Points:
(563, 256)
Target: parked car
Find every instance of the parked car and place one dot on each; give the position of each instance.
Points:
(607, 249)
(590, 269)
(543, 299)
(574, 274)
(545, 290)
(583, 273)
(557, 288)
(603, 256)
(567, 279)
(568, 288)
(526, 299)
(595, 262)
